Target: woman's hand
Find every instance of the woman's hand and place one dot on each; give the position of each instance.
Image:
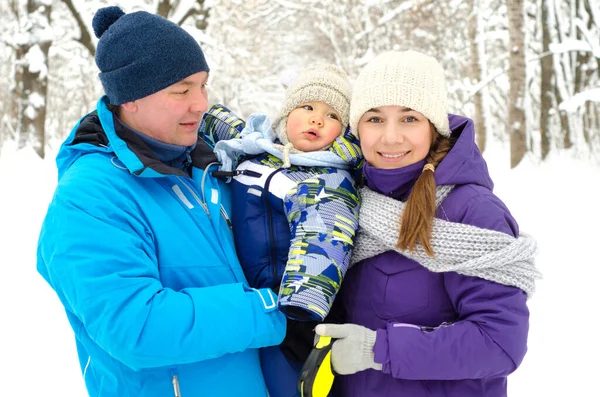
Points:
(353, 350)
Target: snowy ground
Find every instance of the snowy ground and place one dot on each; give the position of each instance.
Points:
(557, 202)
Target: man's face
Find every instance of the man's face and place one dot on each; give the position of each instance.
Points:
(171, 115)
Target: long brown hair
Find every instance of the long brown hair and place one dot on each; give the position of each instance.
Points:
(417, 221)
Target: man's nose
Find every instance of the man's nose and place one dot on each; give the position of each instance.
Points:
(200, 103)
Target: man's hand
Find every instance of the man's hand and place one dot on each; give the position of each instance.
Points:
(353, 350)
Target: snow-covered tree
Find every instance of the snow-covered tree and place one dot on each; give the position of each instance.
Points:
(542, 97)
(30, 38)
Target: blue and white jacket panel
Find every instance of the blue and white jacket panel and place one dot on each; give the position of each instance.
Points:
(294, 227)
(142, 257)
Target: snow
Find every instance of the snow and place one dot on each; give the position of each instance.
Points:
(576, 101)
(37, 61)
(555, 201)
(589, 37)
(36, 100)
(392, 14)
(37, 344)
(570, 45)
(30, 112)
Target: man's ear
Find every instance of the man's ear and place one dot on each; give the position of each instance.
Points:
(130, 107)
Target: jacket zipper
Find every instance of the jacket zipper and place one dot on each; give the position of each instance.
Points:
(176, 391)
(200, 202)
(226, 217)
(205, 206)
(229, 174)
(272, 246)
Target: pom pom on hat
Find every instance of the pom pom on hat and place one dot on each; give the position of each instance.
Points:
(104, 18)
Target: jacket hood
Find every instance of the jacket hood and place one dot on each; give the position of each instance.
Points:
(347, 147)
(464, 164)
(86, 137)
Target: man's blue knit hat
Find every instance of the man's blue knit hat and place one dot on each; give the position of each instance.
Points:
(140, 53)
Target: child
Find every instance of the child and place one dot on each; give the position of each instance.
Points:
(295, 209)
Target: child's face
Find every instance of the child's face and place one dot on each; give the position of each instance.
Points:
(313, 126)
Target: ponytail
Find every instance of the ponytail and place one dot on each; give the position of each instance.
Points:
(417, 221)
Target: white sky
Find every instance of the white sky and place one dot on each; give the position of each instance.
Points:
(556, 202)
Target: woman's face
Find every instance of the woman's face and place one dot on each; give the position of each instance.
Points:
(394, 136)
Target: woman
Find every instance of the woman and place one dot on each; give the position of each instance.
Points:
(438, 309)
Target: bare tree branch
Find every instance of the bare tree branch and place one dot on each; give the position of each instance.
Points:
(85, 38)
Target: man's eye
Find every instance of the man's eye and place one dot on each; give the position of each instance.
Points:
(182, 92)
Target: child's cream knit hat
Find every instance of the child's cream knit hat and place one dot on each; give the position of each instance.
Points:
(408, 78)
(323, 83)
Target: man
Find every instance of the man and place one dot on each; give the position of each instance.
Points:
(137, 243)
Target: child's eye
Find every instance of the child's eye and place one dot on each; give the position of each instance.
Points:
(334, 116)
(307, 107)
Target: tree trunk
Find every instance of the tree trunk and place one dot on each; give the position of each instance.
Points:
(546, 89)
(480, 132)
(564, 120)
(164, 8)
(31, 76)
(516, 75)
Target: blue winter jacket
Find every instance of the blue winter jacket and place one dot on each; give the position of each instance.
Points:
(142, 258)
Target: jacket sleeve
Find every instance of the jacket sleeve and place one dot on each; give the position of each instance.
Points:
(488, 338)
(100, 258)
(219, 123)
(322, 212)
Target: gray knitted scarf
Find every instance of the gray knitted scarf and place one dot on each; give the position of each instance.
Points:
(460, 248)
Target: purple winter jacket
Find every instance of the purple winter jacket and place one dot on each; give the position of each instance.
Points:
(438, 334)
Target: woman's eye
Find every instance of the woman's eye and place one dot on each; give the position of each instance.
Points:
(410, 119)
(374, 119)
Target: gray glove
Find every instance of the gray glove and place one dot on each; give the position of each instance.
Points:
(353, 350)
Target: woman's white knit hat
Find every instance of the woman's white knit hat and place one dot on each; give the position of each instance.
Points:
(411, 79)
(323, 83)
